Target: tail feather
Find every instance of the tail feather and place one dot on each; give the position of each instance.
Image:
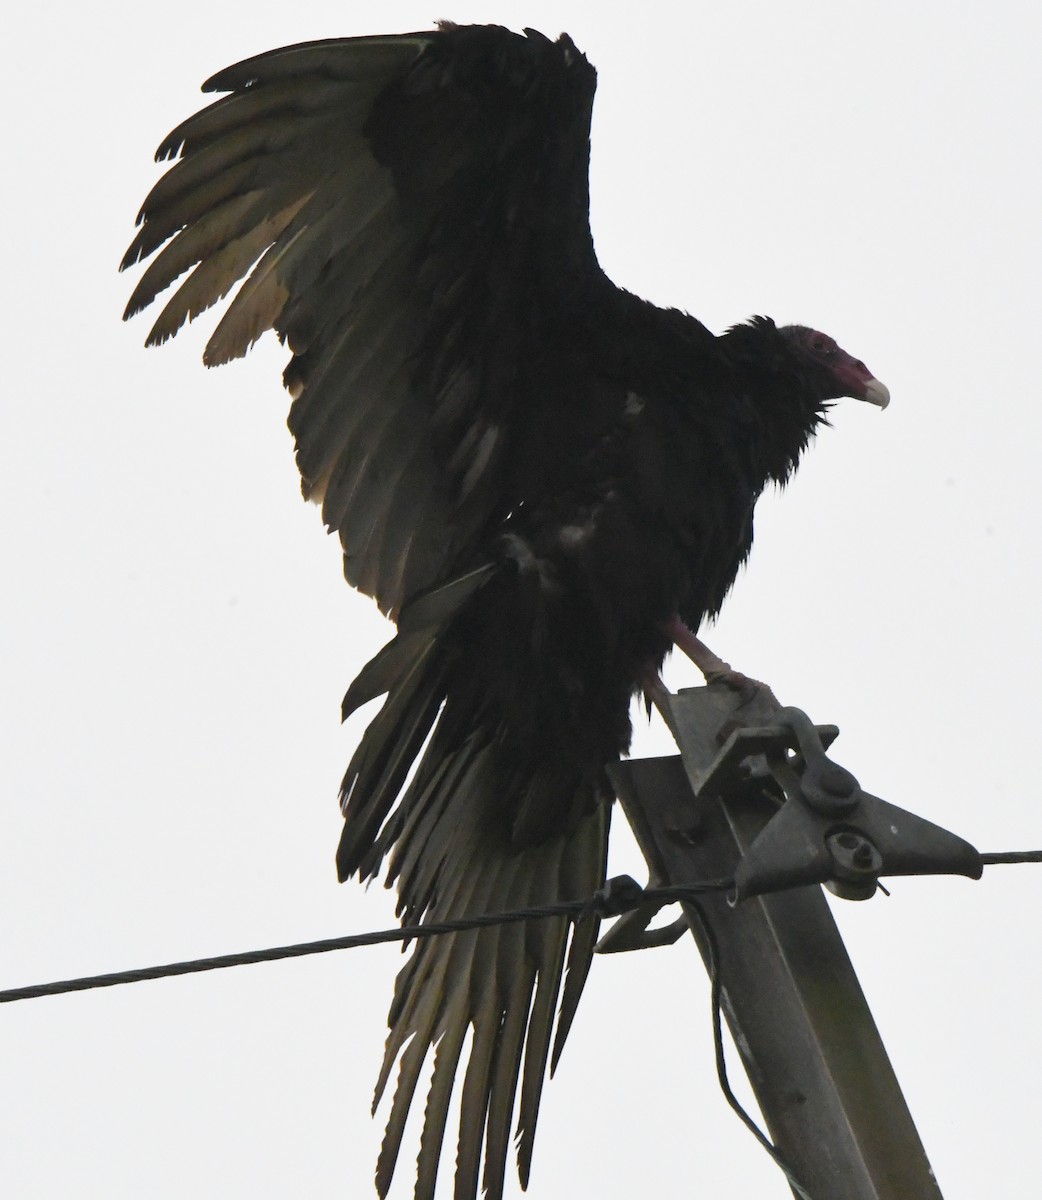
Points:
(501, 1097)
(474, 1104)
(448, 971)
(504, 981)
(584, 938)
(412, 669)
(470, 968)
(381, 673)
(454, 850)
(547, 946)
(379, 766)
(408, 1075)
(425, 845)
(446, 1061)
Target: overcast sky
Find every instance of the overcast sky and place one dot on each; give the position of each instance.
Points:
(176, 635)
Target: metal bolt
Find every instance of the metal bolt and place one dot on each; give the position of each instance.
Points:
(862, 854)
(837, 781)
(853, 855)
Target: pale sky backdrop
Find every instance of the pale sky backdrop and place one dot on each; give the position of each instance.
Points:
(176, 636)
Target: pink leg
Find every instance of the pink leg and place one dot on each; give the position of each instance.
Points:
(711, 665)
(707, 662)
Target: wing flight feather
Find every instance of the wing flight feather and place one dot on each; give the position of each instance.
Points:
(398, 210)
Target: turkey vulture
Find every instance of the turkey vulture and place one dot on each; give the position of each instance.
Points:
(539, 476)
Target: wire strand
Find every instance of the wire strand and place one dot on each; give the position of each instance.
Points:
(712, 947)
(618, 896)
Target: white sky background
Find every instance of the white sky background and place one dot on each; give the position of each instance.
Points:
(176, 636)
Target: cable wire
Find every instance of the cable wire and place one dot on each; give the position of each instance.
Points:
(712, 947)
(619, 895)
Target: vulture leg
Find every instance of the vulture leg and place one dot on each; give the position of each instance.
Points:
(711, 665)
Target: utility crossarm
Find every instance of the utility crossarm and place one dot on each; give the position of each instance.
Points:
(754, 796)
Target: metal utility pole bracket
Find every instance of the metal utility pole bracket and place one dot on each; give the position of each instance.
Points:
(827, 830)
(754, 796)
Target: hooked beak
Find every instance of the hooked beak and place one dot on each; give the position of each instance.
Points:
(854, 379)
(876, 393)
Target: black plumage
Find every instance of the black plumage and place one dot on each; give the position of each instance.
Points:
(533, 471)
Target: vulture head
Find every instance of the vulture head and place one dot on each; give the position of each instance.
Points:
(829, 370)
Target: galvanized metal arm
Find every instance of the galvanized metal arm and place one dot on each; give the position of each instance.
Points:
(755, 796)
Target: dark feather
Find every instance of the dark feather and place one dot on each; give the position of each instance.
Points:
(533, 471)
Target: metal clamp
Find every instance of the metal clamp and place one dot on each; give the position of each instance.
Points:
(828, 830)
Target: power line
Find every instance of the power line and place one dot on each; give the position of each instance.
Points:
(619, 895)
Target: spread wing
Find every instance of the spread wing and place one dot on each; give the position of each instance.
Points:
(410, 214)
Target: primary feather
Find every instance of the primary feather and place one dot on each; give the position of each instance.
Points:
(532, 470)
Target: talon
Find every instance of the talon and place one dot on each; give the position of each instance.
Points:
(744, 685)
